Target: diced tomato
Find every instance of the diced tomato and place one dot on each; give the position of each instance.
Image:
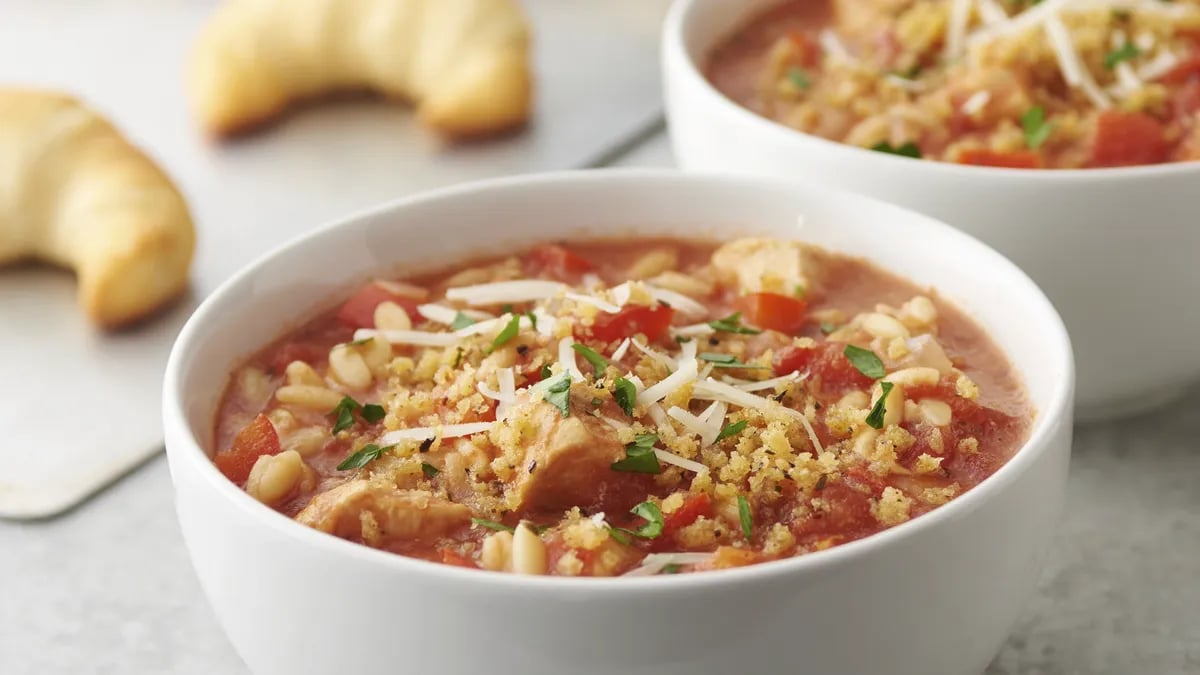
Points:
(1127, 139)
(359, 310)
(1185, 70)
(651, 321)
(693, 507)
(1018, 159)
(772, 311)
(807, 47)
(1185, 101)
(556, 261)
(826, 361)
(848, 515)
(451, 557)
(255, 440)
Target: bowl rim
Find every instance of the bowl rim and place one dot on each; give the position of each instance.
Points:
(675, 51)
(186, 454)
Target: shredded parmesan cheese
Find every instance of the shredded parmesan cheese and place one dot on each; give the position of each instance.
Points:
(688, 370)
(657, 562)
(426, 433)
(1073, 70)
(833, 45)
(956, 28)
(409, 337)
(677, 301)
(976, 103)
(621, 349)
(566, 358)
(447, 315)
(670, 458)
(523, 290)
(602, 305)
(771, 383)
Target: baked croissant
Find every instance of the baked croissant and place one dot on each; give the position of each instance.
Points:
(463, 63)
(75, 193)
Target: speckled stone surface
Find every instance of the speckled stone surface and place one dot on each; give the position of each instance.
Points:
(107, 588)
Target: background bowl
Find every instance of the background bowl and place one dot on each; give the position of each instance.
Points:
(1116, 250)
(934, 595)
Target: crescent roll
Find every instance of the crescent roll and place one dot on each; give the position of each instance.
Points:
(463, 63)
(75, 193)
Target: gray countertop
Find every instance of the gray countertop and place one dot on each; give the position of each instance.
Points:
(107, 588)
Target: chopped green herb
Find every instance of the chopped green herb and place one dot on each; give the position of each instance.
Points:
(506, 308)
(344, 412)
(909, 73)
(599, 363)
(671, 568)
(639, 456)
(1037, 129)
(799, 78)
(458, 356)
(625, 393)
(532, 319)
(373, 413)
(368, 454)
(865, 361)
(597, 402)
(908, 149)
(681, 339)
(733, 324)
(507, 333)
(546, 372)
(429, 470)
(725, 360)
(828, 327)
(620, 536)
(1125, 52)
(492, 525)
(731, 430)
(426, 445)
(799, 291)
(558, 394)
(875, 417)
(746, 517)
(654, 520)
(359, 343)
(461, 321)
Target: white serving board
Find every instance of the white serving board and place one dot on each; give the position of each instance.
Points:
(78, 409)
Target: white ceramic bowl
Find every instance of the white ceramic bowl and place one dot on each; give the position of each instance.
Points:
(1116, 250)
(935, 595)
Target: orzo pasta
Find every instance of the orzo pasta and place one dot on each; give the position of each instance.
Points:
(604, 408)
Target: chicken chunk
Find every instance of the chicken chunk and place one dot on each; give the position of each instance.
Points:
(756, 265)
(378, 513)
(567, 460)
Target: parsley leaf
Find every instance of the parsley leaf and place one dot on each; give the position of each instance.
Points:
(1125, 52)
(1037, 129)
(619, 535)
(368, 454)
(626, 394)
(654, 518)
(725, 360)
(908, 149)
(639, 456)
(429, 470)
(865, 361)
(909, 73)
(492, 525)
(509, 332)
(731, 430)
(733, 324)
(461, 321)
(599, 363)
(671, 568)
(558, 394)
(372, 413)
(875, 417)
(799, 78)
(828, 327)
(532, 319)
(546, 372)
(506, 308)
(744, 514)
(344, 412)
